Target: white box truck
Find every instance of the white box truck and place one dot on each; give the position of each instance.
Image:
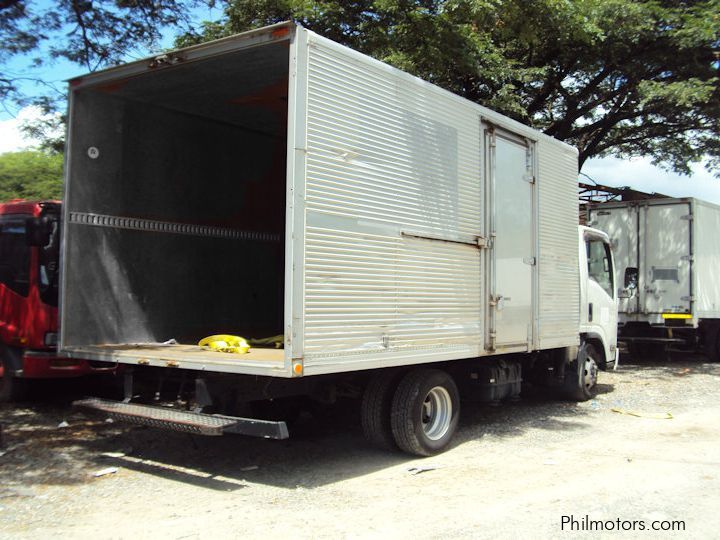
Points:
(409, 247)
(667, 252)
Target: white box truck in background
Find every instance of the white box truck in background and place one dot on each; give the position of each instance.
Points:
(409, 247)
(667, 255)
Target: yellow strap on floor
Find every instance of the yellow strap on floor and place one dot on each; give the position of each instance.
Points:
(276, 341)
(225, 343)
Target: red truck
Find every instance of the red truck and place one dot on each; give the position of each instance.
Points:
(29, 266)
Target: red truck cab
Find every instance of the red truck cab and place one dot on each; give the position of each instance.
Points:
(29, 267)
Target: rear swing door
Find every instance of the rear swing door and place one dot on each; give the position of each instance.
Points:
(666, 258)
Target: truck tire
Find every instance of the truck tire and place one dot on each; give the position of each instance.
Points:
(11, 388)
(376, 407)
(580, 382)
(425, 412)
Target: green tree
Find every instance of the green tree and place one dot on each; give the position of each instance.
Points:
(30, 174)
(620, 77)
(91, 33)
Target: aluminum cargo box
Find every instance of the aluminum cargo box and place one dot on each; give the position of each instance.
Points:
(675, 247)
(275, 182)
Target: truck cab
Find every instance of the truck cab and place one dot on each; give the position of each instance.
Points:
(598, 296)
(29, 266)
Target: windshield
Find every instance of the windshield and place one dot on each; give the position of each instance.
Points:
(600, 264)
(14, 254)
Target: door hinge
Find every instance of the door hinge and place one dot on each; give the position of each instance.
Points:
(164, 60)
(529, 260)
(689, 258)
(688, 217)
(687, 298)
(529, 178)
(487, 242)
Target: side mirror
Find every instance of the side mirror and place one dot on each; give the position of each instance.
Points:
(631, 278)
(37, 232)
(630, 283)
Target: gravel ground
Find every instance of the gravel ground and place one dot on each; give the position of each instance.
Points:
(514, 471)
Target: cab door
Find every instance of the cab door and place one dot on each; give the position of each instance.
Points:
(598, 290)
(15, 259)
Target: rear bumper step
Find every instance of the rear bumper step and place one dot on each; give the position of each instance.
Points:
(185, 421)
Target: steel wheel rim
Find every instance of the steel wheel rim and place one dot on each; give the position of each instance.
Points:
(436, 413)
(590, 373)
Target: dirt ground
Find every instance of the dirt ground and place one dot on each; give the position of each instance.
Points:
(514, 471)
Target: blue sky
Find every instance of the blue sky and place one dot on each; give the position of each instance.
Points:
(637, 173)
(56, 72)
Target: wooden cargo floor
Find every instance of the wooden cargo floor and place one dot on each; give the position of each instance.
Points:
(177, 355)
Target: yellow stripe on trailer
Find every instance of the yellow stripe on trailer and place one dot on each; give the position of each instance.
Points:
(676, 316)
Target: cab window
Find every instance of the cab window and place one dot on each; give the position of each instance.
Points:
(599, 264)
(14, 255)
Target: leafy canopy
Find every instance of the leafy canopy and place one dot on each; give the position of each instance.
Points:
(91, 33)
(621, 77)
(31, 175)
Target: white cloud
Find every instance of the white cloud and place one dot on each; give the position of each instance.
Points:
(11, 138)
(642, 175)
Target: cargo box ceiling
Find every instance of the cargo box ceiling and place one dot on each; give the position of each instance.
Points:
(248, 88)
(185, 236)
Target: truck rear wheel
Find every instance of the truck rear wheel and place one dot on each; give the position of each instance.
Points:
(376, 407)
(580, 382)
(425, 412)
(11, 388)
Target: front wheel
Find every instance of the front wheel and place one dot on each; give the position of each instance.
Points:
(425, 412)
(581, 374)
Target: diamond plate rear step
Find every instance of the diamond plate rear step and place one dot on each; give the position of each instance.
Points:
(185, 421)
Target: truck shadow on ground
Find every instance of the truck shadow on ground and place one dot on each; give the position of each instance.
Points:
(670, 366)
(41, 450)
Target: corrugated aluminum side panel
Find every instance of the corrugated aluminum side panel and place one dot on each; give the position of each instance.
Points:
(706, 252)
(559, 288)
(388, 154)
